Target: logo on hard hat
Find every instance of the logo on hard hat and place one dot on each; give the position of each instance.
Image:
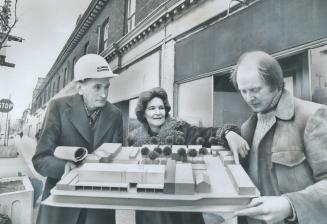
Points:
(102, 68)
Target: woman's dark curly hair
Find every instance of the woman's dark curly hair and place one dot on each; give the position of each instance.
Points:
(146, 97)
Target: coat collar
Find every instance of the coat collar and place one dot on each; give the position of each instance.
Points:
(79, 119)
(285, 107)
(284, 111)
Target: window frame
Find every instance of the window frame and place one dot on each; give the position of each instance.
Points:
(131, 9)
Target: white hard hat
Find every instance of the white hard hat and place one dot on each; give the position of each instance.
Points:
(92, 66)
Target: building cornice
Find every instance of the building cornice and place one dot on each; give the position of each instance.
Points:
(162, 15)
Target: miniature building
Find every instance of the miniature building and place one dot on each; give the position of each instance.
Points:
(107, 151)
(169, 185)
(202, 182)
(215, 149)
(228, 160)
(92, 158)
(199, 166)
(134, 152)
(241, 182)
(184, 182)
(122, 175)
(225, 153)
(226, 157)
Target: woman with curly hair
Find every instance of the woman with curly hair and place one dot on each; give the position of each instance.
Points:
(158, 127)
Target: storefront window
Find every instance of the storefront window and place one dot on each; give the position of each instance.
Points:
(228, 104)
(133, 122)
(195, 102)
(319, 74)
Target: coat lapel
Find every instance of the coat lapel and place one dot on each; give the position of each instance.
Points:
(104, 123)
(79, 118)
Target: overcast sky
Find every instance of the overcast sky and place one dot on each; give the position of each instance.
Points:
(46, 26)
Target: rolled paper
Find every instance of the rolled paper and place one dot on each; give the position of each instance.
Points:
(70, 153)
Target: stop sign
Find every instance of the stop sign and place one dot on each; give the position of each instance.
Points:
(6, 105)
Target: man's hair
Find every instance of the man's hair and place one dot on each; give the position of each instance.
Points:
(269, 69)
(146, 97)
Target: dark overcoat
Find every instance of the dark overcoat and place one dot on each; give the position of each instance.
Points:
(298, 145)
(66, 124)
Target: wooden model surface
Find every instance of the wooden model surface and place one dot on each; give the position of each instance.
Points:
(205, 183)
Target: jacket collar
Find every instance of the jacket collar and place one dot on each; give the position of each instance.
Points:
(285, 106)
(284, 111)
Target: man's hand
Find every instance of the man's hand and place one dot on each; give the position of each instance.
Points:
(271, 209)
(68, 167)
(238, 145)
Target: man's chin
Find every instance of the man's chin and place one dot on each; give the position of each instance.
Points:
(256, 109)
(100, 104)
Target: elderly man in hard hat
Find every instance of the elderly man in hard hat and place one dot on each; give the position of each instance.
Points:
(87, 120)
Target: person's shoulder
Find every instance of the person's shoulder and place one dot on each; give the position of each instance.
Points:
(308, 108)
(64, 99)
(175, 121)
(134, 135)
(112, 108)
(136, 131)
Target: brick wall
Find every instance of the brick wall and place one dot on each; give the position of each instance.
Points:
(145, 7)
(115, 10)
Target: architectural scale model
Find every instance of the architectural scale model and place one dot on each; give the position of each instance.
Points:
(152, 177)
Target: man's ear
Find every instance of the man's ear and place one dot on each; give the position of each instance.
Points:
(79, 88)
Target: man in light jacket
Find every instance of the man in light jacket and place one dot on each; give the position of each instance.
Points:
(288, 140)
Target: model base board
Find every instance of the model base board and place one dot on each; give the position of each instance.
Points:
(205, 183)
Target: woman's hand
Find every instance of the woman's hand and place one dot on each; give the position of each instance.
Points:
(238, 145)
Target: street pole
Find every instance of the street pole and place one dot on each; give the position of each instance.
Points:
(4, 140)
(1, 122)
(8, 131)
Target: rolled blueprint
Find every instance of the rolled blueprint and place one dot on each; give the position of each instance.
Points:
(71, 153)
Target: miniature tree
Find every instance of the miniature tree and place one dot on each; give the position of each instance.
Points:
(169, 140)
(158, 150)
(153, 155)
(180, 140)
(181, 152)
(192, 153)
(200, 141)
(203, 151)
(155, 140)
(145, 151)
(167, 151)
